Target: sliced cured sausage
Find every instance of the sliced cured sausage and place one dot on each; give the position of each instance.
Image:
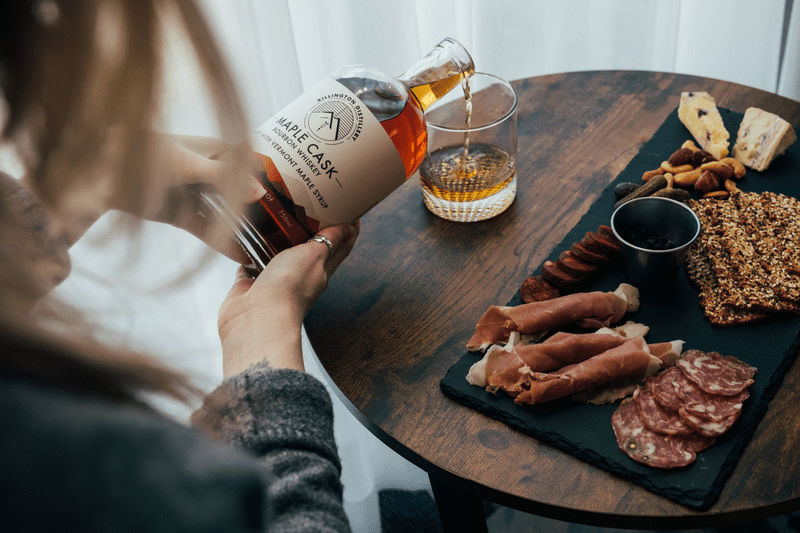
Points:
(657, 417)
(588, 255)
(717, 374)
(706, 427)
(608, 233)
(552, 272)
(537, 289)
(716, 407)
(650, 448)
(600, 244)
(664, 387)
(574, 265)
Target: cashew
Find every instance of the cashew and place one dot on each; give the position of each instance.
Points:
(668, 167)
(687, 179)
(719, 168)
(650, 174)
(730, 185)
(736, 165)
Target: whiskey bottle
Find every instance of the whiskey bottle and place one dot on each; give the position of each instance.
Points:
(339, 149)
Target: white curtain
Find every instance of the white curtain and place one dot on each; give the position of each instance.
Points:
(279, 47)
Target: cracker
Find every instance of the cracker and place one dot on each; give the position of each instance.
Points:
(772, 220)
(746, 260)
(702, 275)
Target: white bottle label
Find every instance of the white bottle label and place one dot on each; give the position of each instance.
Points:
(332, 156)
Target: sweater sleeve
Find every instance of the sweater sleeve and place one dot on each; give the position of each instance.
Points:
(285, 418)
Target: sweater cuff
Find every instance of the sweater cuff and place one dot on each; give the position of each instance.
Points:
(264, 409)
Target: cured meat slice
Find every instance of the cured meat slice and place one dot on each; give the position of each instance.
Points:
(668, 352)
(588, 255)
(505, 367)
(664, 387)
(589, 309)
(715, 373)
(600, 244)
(687, 390)
(567, 350)
(537, 289)
(657, 417)
(544, 357)
(493, 327)
(707, 427)
(716, 407)
(651, 448)
(498, 359)
(553, 273)
(627, 362)
(574, 265)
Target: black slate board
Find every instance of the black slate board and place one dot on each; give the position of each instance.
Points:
(672, 312)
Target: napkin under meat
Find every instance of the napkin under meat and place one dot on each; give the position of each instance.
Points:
(586, 309)
(628, 362)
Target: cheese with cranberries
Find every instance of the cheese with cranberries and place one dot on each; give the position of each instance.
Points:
(698, 112)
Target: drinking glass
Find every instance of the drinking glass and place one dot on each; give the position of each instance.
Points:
(469, 172)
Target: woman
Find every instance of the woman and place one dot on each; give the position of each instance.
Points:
(81, 446)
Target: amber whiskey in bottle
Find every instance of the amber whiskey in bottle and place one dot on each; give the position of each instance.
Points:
(339, 149)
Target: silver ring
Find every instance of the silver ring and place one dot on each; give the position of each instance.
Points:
(326, 242)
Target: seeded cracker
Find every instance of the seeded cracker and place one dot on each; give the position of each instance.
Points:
(746, 261)
(699, 268)
(772, 219)
(744, 283)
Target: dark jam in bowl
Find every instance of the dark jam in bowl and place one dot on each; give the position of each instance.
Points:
(641, 236)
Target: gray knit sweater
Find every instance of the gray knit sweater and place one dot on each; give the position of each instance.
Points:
(73, 463)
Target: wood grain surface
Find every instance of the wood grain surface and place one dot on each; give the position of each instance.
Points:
(416, 283)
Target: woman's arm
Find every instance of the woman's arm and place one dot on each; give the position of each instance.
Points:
(267, 405)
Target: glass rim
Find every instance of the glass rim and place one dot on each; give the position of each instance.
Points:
(491, 123)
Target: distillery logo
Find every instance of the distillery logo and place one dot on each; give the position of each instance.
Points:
(335, 119)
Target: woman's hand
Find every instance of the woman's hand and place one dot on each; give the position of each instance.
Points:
(203, 163)
(261, 319)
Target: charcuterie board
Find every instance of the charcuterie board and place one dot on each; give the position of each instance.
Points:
(672, 312)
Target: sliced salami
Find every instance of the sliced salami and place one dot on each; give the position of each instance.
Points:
(656, 417)
(687, 390)
(651, 448)
(707, 427)
(664, 387)
(715, 373)
(716, 407)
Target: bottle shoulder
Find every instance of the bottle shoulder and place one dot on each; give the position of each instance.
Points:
(384, 95)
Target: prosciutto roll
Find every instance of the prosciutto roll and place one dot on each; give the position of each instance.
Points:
(505, 369)
(628, 362)
(587, 309)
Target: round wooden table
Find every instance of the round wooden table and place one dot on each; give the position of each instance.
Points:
(415, 283)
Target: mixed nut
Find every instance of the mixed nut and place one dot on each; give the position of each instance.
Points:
(687, 168)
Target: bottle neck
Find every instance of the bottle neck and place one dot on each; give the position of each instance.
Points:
(438, 72)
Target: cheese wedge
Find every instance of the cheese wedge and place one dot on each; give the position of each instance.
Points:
(698, 112)
(762, 137)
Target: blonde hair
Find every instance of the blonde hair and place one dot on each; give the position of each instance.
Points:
(80, 79)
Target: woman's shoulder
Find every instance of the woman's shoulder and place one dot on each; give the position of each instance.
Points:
(74, 459)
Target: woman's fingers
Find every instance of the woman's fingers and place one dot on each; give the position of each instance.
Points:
(337, 244)
(216, 163)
